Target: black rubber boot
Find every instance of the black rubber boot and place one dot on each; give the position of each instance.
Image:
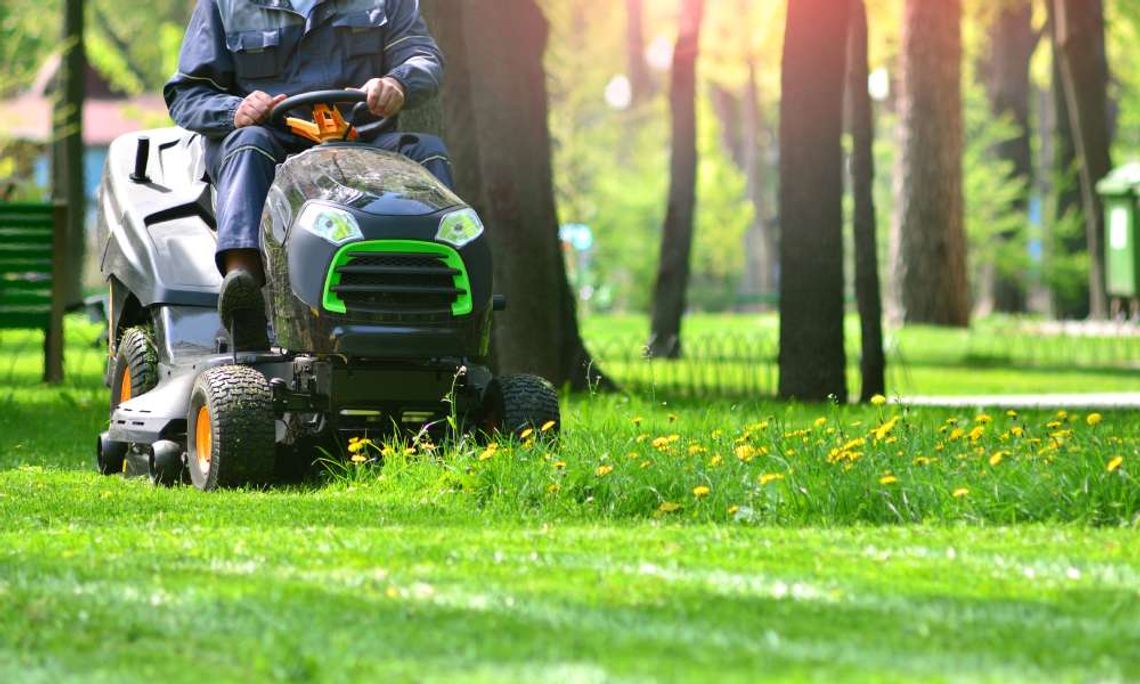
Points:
(243, 312)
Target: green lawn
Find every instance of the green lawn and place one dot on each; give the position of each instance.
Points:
(810, 556)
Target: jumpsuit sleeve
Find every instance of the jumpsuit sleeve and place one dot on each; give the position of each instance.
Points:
(412, 54)
(201, 95)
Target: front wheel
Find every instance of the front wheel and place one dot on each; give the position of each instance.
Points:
(231, 429)
(514, 404)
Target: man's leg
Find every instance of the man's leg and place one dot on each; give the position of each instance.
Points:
(427, 150)
(242, 167)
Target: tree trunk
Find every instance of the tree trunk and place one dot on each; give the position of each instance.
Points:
(68, 149)
(812, 358)
(1012, 42)
(640, 81)
(759, 241)
(494, 115)
(677, 233)
(862, 122)
(931, 263)
(1079, 33)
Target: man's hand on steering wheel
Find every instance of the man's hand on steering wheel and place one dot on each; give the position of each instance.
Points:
(385, 96)
(256, 108)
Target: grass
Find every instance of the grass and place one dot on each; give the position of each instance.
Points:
(461, 565)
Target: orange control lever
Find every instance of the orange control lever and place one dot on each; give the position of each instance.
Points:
(327, 125)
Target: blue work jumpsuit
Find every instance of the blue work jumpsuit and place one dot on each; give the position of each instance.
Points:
(234, 47)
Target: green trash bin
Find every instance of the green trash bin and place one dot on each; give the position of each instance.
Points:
(1120, 193)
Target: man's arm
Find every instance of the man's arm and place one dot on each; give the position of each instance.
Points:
(200, 95)
(413, 57)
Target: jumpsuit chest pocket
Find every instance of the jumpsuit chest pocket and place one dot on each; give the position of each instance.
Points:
(257, 54)
(362, 31)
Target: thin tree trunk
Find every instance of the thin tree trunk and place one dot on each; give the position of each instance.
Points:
(1079, 34)
(68, 152)
(1012, 42)
(494, 114)
(639, 78)
(933, 284)
(677, 233)
(862, 121)
(812, 357)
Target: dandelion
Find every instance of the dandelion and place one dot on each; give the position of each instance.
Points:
(359, 459)
(888, 479)
(701, 491)
(880, 433)
(695, 449)
(960, 492)
(526, 434)
(821, 421)
(878, 400)
(745, 452)
(356, 445)
(560, 465)
(489, 452)
(554, 488)
(1062, 414)
(733, 509)
(547, 426)
(1093, 419)
(997, 457)
(715, 461)
(977, 432)
(1114, 463)
(924, 460)
(1012, 414)
(770, 477)
(668, 507)
(636, 420)
(1016, 431)
(983, 418)
(603, 470)
(641, 438)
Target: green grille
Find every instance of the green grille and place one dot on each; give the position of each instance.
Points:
(446, 258)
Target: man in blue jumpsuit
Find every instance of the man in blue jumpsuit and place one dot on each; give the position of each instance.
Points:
(242, 57)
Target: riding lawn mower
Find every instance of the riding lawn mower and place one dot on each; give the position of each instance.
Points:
(379, 297)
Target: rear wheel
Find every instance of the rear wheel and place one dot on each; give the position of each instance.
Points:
(514, 404)
(136, 366)
(231, 429)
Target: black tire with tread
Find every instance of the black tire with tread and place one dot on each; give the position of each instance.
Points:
(515, 403)
(243, 428)
(135, 354)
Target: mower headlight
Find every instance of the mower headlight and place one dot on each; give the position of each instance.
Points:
(460, 228)
(335, 225)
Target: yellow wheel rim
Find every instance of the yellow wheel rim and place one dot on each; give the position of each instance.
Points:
(203, 441)
(125, 386)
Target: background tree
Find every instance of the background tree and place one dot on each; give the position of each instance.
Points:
(1079, 34)
(641, 83)
(812, 358)
(677, 233)
(930, 263)
(67, 154)
(494, 117)
(1005, 70)
(861, 120)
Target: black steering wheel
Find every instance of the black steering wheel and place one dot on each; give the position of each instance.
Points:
(332, 98)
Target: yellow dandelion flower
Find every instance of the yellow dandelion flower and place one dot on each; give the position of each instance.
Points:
(770, 477)
(554, 488)
(997, 457)
(525, 434)
(1012, 414)
(745, 452)
(668, 507)
(983, 418)
(1093, 419)
(1114, 463)
(603, 470)
(633, 455)
(733, 509)
(1016, 431)
(1062, 413)
(701, 491)
(960, 492)
(924, 460)
(977, 432)
(547, 426)
(821, 421)
(888, 479)
(487, 454)
(410, 451)
(880, 433)
(646, 464)
(636, 420)
(878, 400)
(715, 461)
(695, 449)
(359, 458)
(641, 438)
(560, 465)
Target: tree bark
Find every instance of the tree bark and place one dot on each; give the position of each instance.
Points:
(677, 233)
(494, 118)
(640, 81)
(1012, 42)
(1079, 34)
(68, 149)
(867, 292)
(931, 261)
(812, 357)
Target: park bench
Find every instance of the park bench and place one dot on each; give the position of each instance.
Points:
(32, 259)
